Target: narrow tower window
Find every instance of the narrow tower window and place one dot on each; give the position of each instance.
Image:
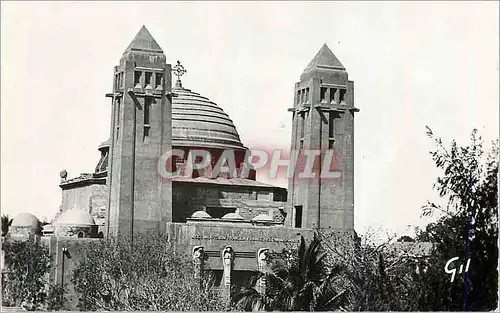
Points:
(342, 96)
(298, 216)
(333, 93)
(147, 116)
(322, 95)
(158, 80)
(148, 79)
(307, 95)
(299, 96)
(331, 139)
(118, 111)
(121, 80)
(302, 124)
(118, 117)
(137, 79)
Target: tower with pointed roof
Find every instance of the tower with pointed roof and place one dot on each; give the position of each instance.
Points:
(141, 131)
(323, 120)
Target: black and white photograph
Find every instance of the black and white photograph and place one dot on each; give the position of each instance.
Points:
(249, 156)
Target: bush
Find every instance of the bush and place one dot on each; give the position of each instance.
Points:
(145, 275)
(28, 264)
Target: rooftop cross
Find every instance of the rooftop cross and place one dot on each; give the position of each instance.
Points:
(179, 70)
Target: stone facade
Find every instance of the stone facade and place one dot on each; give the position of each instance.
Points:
(323, 119)
(141, 132)
(224, 224)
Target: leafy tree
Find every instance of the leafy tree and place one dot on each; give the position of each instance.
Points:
(6, 221)
(377, 277)
(247, 298)
(146, 275)
(467, 228)
(296, 281)
(406, 239)
(28, 263)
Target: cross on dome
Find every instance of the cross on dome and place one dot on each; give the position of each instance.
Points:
(179, 70)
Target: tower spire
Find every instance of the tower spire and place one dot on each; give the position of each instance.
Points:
(144, 42)
(325, 59)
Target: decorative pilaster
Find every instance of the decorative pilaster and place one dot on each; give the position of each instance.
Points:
(262, 264)
(227, 264)
(198, 260)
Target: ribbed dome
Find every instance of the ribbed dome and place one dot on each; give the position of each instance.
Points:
(199, 122)
(25, 220)
(75, 217)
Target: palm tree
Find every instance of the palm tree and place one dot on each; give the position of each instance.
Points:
(6, 221)
(301, 283)
(247, 298)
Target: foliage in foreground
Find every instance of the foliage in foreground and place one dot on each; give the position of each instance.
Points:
(297, 280)
(467, 228)
(376, 278)
(6, 221)
(146, 275)
(26, 283)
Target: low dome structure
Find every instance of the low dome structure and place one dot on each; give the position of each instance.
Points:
(25, 220)
(75, 222)
(25, 224)
(75, 217)
(201, 214)
(232, 216)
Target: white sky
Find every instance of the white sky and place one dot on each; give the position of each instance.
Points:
(413, 64)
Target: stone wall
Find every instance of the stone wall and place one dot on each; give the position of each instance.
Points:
(249, 201)
(245, 239)
(91, 198)
(65, 262)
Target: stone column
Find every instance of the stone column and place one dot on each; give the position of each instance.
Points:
(262, 265)
(198, 260)
(227, 263)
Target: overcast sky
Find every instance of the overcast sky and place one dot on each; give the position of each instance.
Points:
(413, 64)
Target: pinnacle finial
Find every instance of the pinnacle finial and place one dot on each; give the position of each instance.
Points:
(325, 59)
(144, 41)
(178, 71)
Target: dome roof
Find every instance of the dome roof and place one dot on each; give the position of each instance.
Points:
(232, 216)
(25, 220)
(104, 145)
(75, 217)
(200, 214)
(263, 218)
(199, 122)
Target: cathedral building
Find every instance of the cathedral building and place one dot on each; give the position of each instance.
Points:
(227, 222)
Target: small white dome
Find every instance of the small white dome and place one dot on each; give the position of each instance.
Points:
(200, 214)
(262, 218)
(75, 217)
(232, 216)
(25, 220)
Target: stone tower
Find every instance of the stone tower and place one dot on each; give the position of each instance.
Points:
(323, 121)
(141, 131)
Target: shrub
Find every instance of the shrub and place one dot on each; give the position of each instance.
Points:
(144, 275)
